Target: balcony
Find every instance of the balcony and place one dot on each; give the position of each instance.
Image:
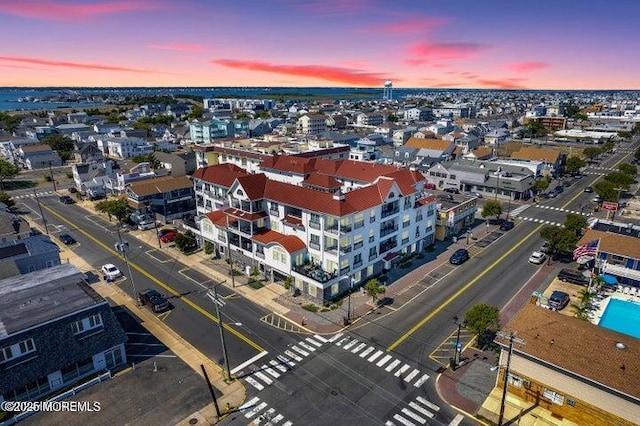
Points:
(314, 225)
(345, 249)
(314, 272)
(388, 245)
(388, 211)
(373, 257)
(344, 270)
(389, 229)
(333, 229)
(358, 224)
(332, 249)
(274, 212)
(315, 246)
(406, 224)
(358, 245)
(345, 227)
(357, 264)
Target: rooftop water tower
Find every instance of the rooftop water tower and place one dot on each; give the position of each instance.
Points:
(387, 92)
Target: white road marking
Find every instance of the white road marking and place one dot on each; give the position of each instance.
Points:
(335, 337)
(429, 404)
(367, 351)
(421, 381)
(293, 355)
(456, 420)
(254, 383)
(322, 339)
(263, 377)
(307, 347)
(313, 342)
(256, 410)
(411, 375)
(249, 403)
(413, 415)
(270, 371)
(421, 410)
(286, 360)
(402, 370)
(375, 356)
(383, 361)
(358, 348)
(350, 344)
(393, 365)
(402, 420)
(300, 351)
(277, 365)
(248, 362)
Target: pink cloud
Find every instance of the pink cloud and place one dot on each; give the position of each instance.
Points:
(505, 83)
(448, 85)
(64, 64)
(409, 26)
(177, 47)
(425, 52)
(66, 11)
(321, 72)
(331, 7)
(527, 66)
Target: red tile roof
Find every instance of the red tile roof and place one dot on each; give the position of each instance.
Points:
(245, 215)
(406, 179)
(363, 172)
(217, 217)
(290, 243)
(289, 163)
(292, 220)
(221, 174)
(321, 181)
(253, 185)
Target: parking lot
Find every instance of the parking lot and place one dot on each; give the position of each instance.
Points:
(156, 388)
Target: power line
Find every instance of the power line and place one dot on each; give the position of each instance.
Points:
(512, 339)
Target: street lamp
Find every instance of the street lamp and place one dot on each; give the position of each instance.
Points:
(122, 247)
(456, 356)
(497, 183)
(351, 283)
(217, 303)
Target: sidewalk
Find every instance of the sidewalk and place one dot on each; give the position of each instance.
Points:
(233, 394)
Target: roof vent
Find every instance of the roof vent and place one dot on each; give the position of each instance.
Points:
(621, 346)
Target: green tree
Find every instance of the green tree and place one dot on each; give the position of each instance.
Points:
(142, 126)
(637, 154)
(9, 122)
(575, 222)
(606, 190)
(534, 129)
(484, 321)
(492, 208)
(574, 164)
(373, 289)
(6, 199)
(196, 112)
(7, 171)
(559, 239)
(591, 152)
(625, 134)
(118, 208)
(542, 184)
(608, 147)
(186, 242)
(619, 179)
(60, 143)
(154, 163)
(627, 168)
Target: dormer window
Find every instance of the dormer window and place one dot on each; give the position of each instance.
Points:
(240, 193)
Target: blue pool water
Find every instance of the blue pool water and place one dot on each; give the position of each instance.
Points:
(622, 316)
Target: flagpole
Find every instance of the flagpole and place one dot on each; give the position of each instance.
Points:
(593, 268)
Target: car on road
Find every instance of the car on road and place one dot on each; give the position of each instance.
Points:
(65, 199)
(110, 271)
(558, 300)
(573, 276)
(506, 225)
(597, 199)
(559, 189)
(460, 256)
(154, 300)
(578, 176)
(588, 189)
(67, 239)
(537, 258)
(169, 237)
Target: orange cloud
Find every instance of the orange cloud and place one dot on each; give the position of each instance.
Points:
(507, 83)
(410, 26)
(177, 47)
(425, 52)
(527, 66)
(65, 11)
(65, 64)
(321, 72)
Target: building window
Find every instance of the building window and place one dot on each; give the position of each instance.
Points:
(334, 289)
(86, 324)
(17, 350)
(279, 255)
(571, 402)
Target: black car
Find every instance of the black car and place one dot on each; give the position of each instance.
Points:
(588, 189)
(460, 256)
(452, 190)
(558, 300)
(559, 189)
(65, 199)
(153, 299)
(573, 276)
(566, 183)
(67, 239)
(506, 225)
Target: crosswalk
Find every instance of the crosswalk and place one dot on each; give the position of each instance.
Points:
(380, 359)
(417, 412)
(541, 221)
(561, 210)
(260, 413)
(268, 372)
(515, 212)
(32, 195)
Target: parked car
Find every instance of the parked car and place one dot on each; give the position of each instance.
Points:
(597, 199)
(169, 237)
(537, 258)
(452, 190)
(147, 224)
(65, 199)
(559, 189)
(566, 183)
(67, 239)
(474, 194)
(573, 276)
(578, 176)
(545, 248)
(164, 231)
(588, 189)
(154, 300)
(552, 194)
(506, 225)
(558, 300)
(460, 256)
(430, 186)
(446, 197)
(110, 271)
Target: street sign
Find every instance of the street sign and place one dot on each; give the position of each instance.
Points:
(612, 207)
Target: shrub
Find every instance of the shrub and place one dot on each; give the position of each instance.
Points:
(47, 178)
(432, 247)
(310, 307)
(287, 283)
(255, 284)
(208, 247)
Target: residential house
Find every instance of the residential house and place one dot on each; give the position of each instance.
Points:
(211, 184)
(13, 227)
(323, 240)
(38, 157)
(87, 152)
(418, 114)
(92, 176)
(118, 181)
(124, 147)
(364, 150)
(618, 255)
(552, 158)
(56, 330)
(71, 128)
(375, 118)
(312, 124)
(480, 153)
(576, 370)
(29, 254)
(167, 197)
(402, 135)
(497, 137)
(437, 149)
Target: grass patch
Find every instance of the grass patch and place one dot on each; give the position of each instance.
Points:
(310, 307)
(255, 284)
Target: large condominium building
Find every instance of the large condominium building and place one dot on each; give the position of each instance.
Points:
(312, 124)
(312, 231)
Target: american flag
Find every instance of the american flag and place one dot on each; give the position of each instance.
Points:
(589, 249)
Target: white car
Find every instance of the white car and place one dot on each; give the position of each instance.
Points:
(111, 271)
(537, 257)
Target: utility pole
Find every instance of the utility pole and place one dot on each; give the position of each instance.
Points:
(217, 302)
(456, 355)
(44, 221)
(122, 247)
(231, 271)
(512, 339)
(349, 301)
(52, 179)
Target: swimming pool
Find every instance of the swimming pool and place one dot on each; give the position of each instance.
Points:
(622, 316)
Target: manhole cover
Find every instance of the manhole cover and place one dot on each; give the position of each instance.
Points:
(335, 393)
(193, 421)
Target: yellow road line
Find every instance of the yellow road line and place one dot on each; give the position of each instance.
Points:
(423, 321)
(161, 284)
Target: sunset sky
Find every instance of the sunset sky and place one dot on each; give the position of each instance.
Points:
(541, 44)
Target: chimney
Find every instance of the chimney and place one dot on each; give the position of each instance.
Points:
(339, 196)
